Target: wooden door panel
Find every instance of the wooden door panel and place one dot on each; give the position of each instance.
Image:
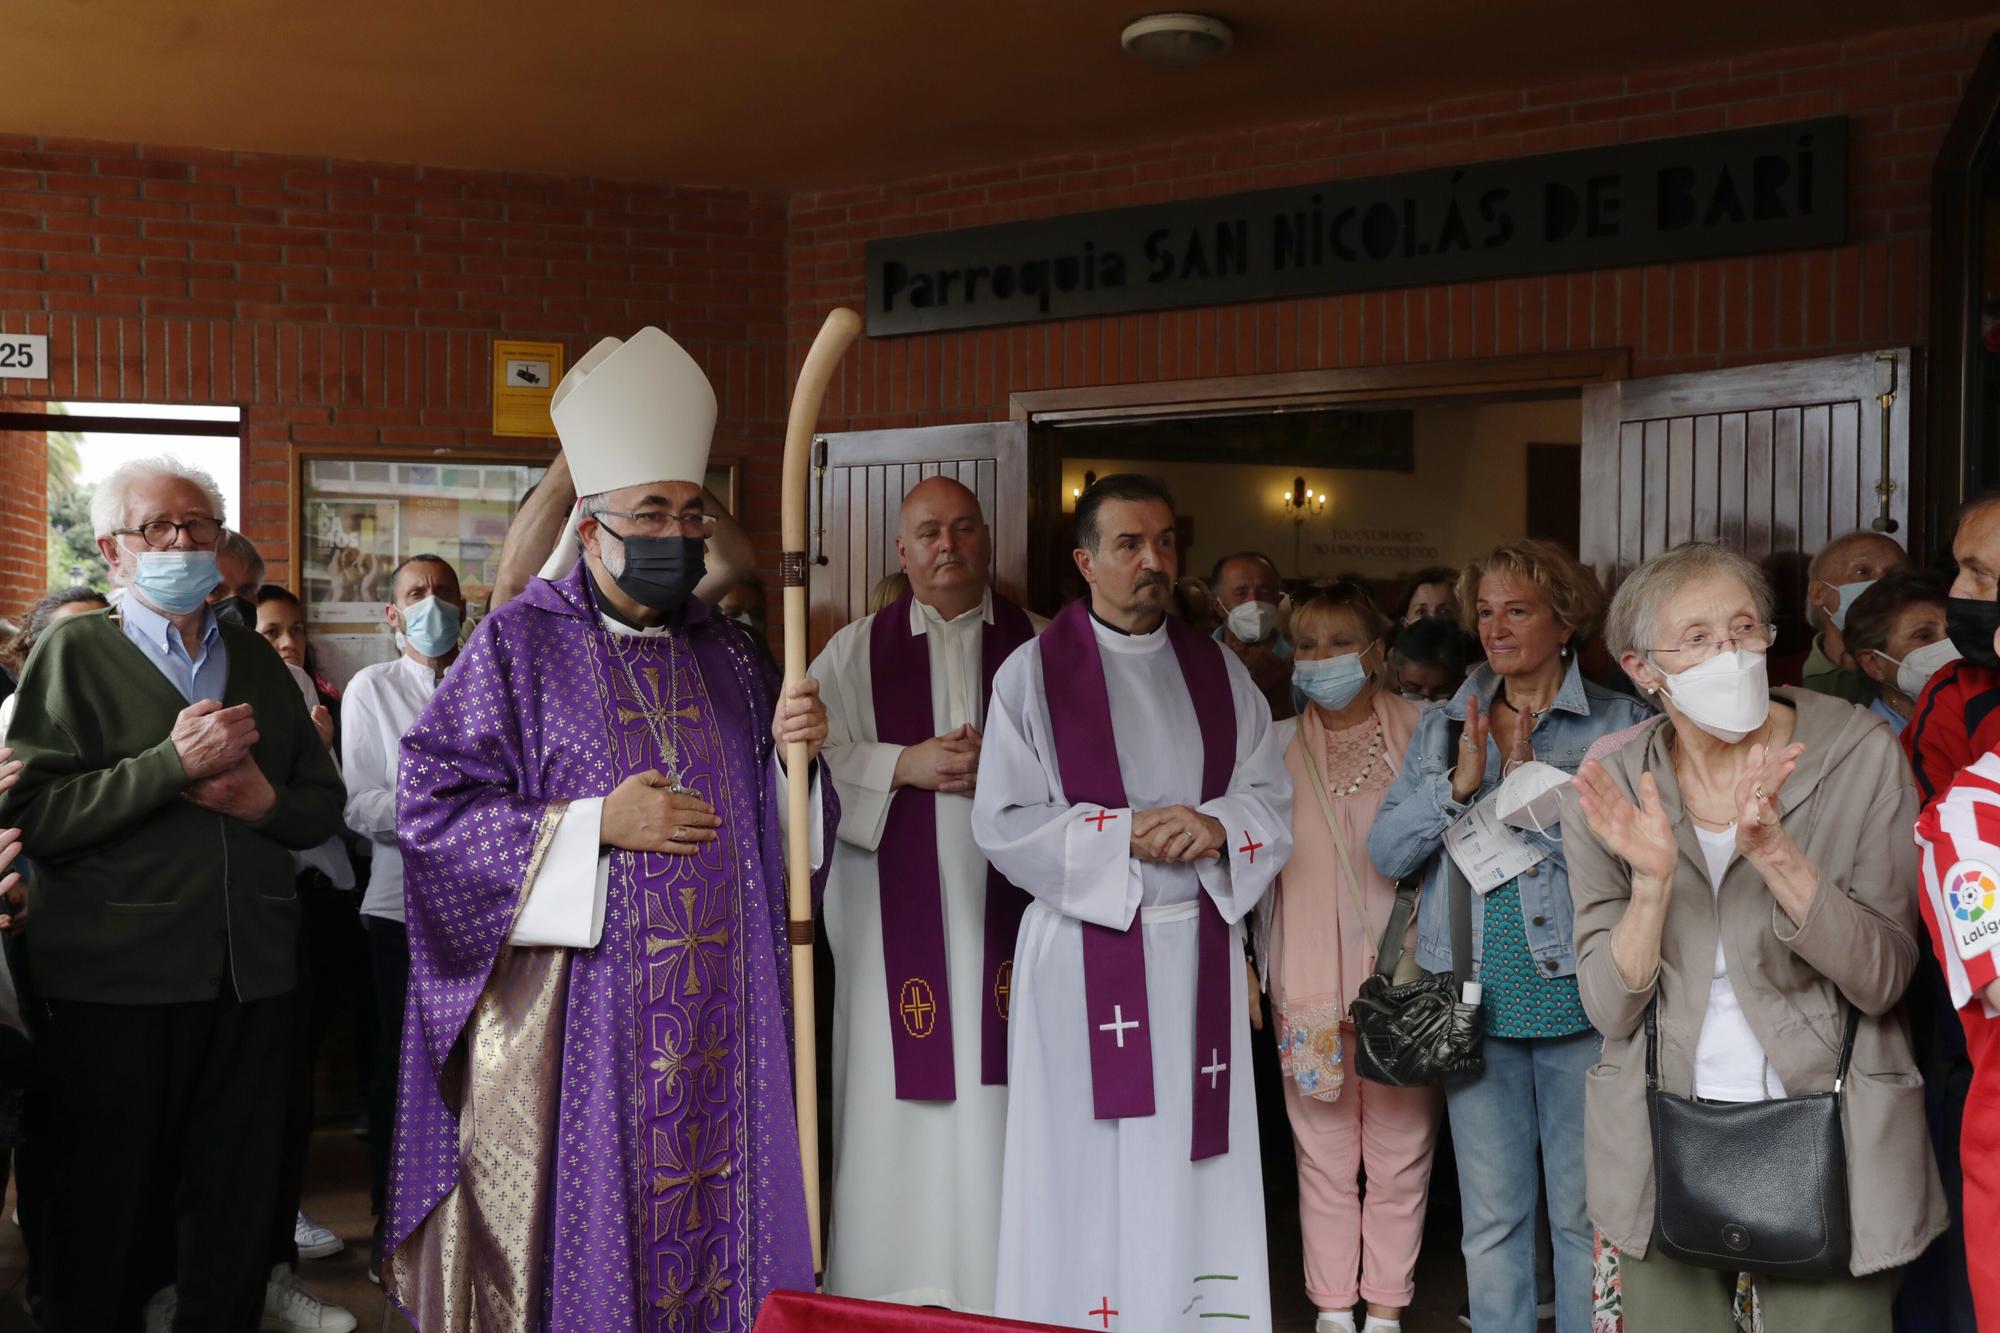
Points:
(858, 496)
(1772, 459)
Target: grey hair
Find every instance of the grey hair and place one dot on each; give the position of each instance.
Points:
(239, 547)
(107, 504)
(1635, 610)
(593, 505)
(1816, 570)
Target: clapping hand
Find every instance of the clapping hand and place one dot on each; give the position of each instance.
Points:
(1642, 836)
(1758, 830)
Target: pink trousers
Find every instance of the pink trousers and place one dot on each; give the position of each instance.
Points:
(1354, 1245)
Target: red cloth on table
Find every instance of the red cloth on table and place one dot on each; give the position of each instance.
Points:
(802, 1312)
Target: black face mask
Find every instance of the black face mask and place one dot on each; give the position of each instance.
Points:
(237, 611)
(660, 572)
(1970, 623)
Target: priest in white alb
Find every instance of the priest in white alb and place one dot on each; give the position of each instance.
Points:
(1130, 781)
(922, 929)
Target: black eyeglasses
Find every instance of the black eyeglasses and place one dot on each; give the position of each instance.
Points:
(162, 533)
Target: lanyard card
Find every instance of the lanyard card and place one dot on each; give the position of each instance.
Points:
(1488, 852)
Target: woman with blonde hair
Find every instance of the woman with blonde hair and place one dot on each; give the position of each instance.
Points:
(1318, 933)
(1515, 730)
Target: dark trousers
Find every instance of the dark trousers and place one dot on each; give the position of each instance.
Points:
(389, 956)
(330, 952)
(143, 1099)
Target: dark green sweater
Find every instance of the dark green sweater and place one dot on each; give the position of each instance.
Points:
(139, 896)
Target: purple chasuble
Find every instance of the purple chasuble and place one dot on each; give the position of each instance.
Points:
(913, 946)
(594, 1138)
(1114, 961)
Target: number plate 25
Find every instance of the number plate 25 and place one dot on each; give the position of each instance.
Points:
(24, 356)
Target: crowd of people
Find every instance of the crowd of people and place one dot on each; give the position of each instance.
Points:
(1642, 906)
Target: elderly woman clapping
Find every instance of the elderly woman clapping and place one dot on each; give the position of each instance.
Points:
(1744, 873)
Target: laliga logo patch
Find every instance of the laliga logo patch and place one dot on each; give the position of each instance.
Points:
(1972, 893)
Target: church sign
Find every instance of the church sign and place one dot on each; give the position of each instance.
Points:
(1774, 187)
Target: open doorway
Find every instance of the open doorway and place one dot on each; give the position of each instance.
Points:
(1371, 493)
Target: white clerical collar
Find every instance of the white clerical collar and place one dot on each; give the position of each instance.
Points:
(923, 615)
(632, 631)
(1116, 640)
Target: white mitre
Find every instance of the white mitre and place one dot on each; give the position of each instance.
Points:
(629, 412)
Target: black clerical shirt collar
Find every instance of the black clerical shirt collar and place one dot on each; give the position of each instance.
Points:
(1126, 632)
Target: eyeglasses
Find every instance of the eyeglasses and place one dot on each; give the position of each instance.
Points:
(1699, 645)
(658, 523)
(161, 534)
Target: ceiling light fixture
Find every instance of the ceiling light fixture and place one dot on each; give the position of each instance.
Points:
(1177, 39)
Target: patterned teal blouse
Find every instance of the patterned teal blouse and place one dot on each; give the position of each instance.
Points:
(1521, 999)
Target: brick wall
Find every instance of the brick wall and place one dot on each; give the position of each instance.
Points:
(1899, 90)
(353, 304)
(24, 522)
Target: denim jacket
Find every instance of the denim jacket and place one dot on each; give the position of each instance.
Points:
(1408, 834)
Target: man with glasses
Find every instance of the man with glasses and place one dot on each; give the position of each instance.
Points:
(170, 772)
(596, 1125)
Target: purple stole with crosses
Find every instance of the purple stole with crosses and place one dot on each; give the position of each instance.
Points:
(1114, 961)
(913, 945)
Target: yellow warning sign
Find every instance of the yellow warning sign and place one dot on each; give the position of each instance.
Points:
(524, 379)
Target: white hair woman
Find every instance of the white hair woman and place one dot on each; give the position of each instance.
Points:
(1743, 875)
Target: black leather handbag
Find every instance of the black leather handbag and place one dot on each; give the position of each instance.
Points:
(1756, 1187)
(1412, 1033)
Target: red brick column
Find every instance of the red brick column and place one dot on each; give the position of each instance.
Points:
(24, 515)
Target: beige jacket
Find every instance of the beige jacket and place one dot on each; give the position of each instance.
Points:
(1851, 808)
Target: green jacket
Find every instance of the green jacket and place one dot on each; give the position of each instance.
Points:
(1821, 676)
(139, 896)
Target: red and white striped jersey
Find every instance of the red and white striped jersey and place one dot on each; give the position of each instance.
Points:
(1960, 839)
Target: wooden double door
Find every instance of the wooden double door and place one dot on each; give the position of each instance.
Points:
(1771, 459)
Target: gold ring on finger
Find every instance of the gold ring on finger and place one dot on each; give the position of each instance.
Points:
(1758, 792)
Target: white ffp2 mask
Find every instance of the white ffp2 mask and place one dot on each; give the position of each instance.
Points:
(1728, 696)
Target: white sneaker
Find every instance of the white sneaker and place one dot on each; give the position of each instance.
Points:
(315, 1241)
(290, 1308)
(160, 1311)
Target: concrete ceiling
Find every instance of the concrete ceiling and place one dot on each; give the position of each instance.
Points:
(794, 94)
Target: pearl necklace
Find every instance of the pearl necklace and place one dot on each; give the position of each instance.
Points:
(1374, 753)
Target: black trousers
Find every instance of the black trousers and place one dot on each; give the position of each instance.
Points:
(389, 955)
(146, 1099)
(331, 952)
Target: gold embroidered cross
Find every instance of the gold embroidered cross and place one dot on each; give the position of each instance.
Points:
(694, 1177)
(689, 941)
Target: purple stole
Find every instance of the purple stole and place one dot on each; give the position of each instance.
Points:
(1114, 961)
(913, 948)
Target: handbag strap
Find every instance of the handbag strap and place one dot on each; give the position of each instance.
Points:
(1389, 954)
(1653, 1054)
(1333, 827)
(1457, 885)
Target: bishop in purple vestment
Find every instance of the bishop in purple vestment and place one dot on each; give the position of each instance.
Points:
(595, 1120)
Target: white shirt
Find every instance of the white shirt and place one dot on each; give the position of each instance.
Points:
(382, 702)
(1729, 1061)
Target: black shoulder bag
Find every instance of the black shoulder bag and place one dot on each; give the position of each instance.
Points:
(1411, 1033)
(1758, 1187)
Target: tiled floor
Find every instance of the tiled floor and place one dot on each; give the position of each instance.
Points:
(338, 1198)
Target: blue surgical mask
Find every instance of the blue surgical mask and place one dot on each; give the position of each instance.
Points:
(1330, 682)
(1847, 592)
(176, 582)
(431, 626)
